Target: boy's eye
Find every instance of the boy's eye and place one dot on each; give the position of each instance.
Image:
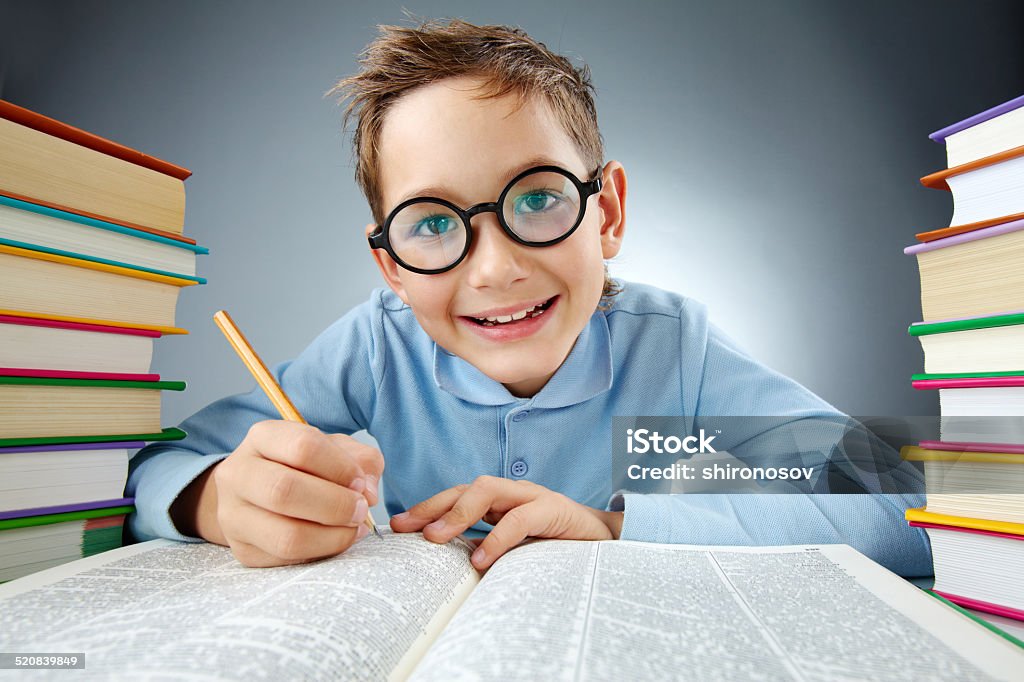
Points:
(434, 226)
(535, 201)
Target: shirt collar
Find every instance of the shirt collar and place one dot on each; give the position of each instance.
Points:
(587, 372)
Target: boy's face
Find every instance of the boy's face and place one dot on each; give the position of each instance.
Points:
(440, 141)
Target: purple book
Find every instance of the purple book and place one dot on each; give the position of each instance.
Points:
(72, 446)
(994, 231)
(60, 509)
(941, 135)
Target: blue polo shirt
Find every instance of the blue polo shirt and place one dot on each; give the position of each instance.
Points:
(440, 422)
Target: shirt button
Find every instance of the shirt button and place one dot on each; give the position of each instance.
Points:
(519, 468)
(520, 416)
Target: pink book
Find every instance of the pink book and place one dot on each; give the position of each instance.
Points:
(985, 606)
(70, 374)
(1012, 448)
(81, 326)
(968, 382)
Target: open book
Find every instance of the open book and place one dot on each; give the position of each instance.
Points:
(403, 607)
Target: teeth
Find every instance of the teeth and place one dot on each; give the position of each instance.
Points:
(503, 319)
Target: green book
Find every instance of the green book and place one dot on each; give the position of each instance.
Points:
(966, 375)
(969, 323)
(46, 519)
(99, 383)
(170, 433)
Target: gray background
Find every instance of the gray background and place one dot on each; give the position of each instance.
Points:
(773, 151)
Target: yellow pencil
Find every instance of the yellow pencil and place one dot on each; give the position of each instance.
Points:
(265, 379)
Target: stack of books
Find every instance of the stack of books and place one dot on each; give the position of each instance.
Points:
(972, 333)
(92, 259)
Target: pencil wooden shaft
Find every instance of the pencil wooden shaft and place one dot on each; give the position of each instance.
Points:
(256, 366)
(264, 378)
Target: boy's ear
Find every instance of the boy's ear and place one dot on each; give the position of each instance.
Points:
(612, 202)
(388, 268)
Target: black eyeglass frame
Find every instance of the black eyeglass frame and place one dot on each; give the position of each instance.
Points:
(379, 239)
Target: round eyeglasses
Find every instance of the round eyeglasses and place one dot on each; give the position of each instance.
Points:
(539, 207)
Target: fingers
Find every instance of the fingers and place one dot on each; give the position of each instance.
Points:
(427, 511)
(306, 448)
(333, 457)
(452, 511)
(516, 509)
(262, 538)
(517, 525)
(295, 493)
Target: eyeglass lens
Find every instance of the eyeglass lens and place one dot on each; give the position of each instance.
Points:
(538, 208)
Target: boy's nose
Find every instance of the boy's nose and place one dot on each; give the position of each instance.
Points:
(494, 260)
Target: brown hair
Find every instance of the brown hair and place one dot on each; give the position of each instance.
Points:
(508, 60)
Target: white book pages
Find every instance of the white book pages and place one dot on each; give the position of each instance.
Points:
(162, 610)
(627, 610)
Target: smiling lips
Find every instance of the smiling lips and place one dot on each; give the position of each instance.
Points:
(512, 318)
(532, 311)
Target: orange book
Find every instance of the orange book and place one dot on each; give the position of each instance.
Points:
(938, 180)
(45, 124)
(50, 163)
(943, 232)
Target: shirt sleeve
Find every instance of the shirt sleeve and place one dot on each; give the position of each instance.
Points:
(332, 383)
(732, 384)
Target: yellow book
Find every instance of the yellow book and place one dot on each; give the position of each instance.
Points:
(921, 515)
(59, 287)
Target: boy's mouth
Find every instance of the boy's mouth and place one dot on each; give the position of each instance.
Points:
(514, 317)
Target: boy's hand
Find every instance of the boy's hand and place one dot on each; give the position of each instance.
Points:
(288, 494)
(517, 509)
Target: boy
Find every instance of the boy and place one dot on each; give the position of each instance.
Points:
(491, 367)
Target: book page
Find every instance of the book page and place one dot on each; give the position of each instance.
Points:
(627, 610)
(174, 610)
